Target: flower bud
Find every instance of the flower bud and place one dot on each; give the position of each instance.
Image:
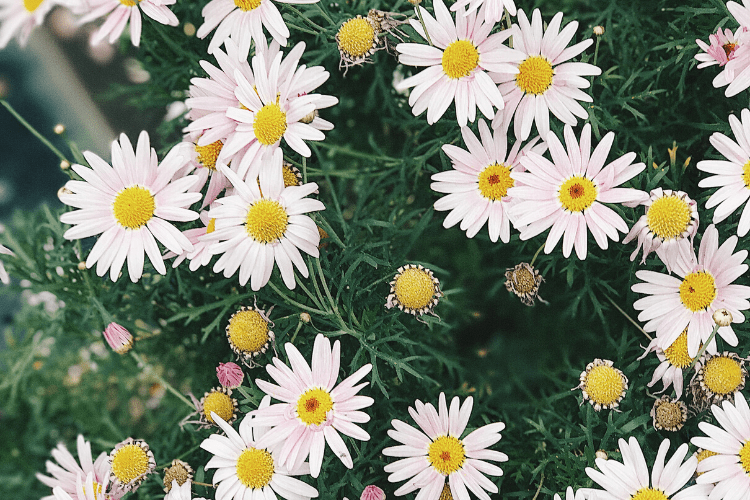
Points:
(598, 30)
(230, 375)
(372, 492)
(722, 317)
(118, 338)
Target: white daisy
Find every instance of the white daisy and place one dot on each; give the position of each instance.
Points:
(674, 359)
(491, 10)
(457, 63)
(689, 301)
(629, 480)
(203, 164)
(129, 203)
(86, 488)
(253, 230)
(19, 17)
(314, 409)
(4, 277)
(542, 80)
(200, 255)
(729, 468)
(120, 11)
(246, 468)
(436, 453)
(569, 193)
(732, 175)
(667, 227)
(736, 73)
(478, 184)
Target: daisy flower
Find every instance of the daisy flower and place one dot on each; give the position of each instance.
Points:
(314, 409)
(246, 468)
(667, 227)
(674, 359)
(542, 81)
(178, 473)
(478, 185)
(414, 290)
(249, 334)
(130, 462)
(19, 17)
(570, 495)
(85, 489)
(4, 277)
(203, 164)
(491, 10)
(568, 194)
(689, 301)
(668, 414)
(719, 377)
(736, 72)
(200, 255)
(629, 480)
(436, 455)
(723, 45)
(120, 11)
(602, 385)
(129, 204)
(254, 230)
(457, 63)
(732, 175)
(729, 468)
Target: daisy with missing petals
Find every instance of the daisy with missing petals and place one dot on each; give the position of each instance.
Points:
(732, 175)
(314, 409)
(19, 17)
(602, 385)
(542, 81)
(719, 377)
(478, 185)
(414, 290)
(436, 456)
(629, 480)
(130, 462)
(689, 300)
(247, 468)
(668, 414)
(179, 473)
(457, 60)
(674, 359)
(491, 10)
(568, 194)
(254, 230)
(249, 334)
(129, 204)
(120, 11)
(668, 228)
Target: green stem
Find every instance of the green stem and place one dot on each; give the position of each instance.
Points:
(703, 348)
(31, 129)
(305, 18)
(325, 14)
(161, 380)
(629, 318)
(299, 325)
(536, 255)
(424, 26)
(294, 302)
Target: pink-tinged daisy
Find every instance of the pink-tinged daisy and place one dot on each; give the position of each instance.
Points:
(542, 81)
(457, 63)
(722, 46)
(129, 204)
(118, 338)
(630, 480)
(674, 359)
(19, 17)
(568, 194)
(254, 230)
(736, 73)
(4, 277)
(729, 467)
(491, 10)
(230, 375)
(200, 255)
(436, 453)
(732, 175)
(86, 488)
(667, 228)
(314, 409)
(203, 164)
(689, 301)
(477, 186)
(120, 11)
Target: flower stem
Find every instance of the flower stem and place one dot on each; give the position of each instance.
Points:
(424, 26)
(629, 318)
(161, 380)
(536, 255)
(703, 348)
(31, 129)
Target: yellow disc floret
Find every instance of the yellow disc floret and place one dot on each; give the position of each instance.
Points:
(32, 5)
(669, 415)
(746, 174)
(446, 493)
(668, 217)
(745, 457)
(698, 291)
(129, 3)
(494, 181)
(313, 405)
(207, 155)
(266, 221)
(270, 124)
(211, 227)
(356, 37)
(414, 288)
(677, 353)
(722, 375)
(219, 403)
(290, 176)
(534, 75)
(133, 207)
(129, 463)
(247, 5)
(604, 385)
(255, 468)
(248, 331)
(446, 454)
(577, 193)
(649, 494)
(460, 58)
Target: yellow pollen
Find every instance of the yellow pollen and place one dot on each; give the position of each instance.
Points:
(247, 5)
(722, 375)
(313, 405)
(745, 457)
(729, 48)
(446, 454)
(677, 353)
(32, 5)
(211, 226)
(604, 385)
(704, 454)
(207, 155)
(577, 193)
(494, 181)
(460, 58)
(534, 75)
(698, 291)
(669, 415)
(133, 207)
(446, 493)
(129, 463)
(414, 288)
(266, 221)
(746, 174)
(219, 403)
(97, 490)
(649, 494)
(290, 178)
(270, 124)
(255, 468)
(129, 3)
(356, 37)
(248, 331)
(668, 217)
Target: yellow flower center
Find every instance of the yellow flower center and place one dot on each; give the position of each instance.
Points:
(290, 177)
(604, 385)
(266, 221)
(219, 403)
(669, 415)
(494, 181)
(133, 207)
(702, 455)
(446, 493)
(313, 405)
(668, 217)
(211, 226)
(729, 48)
(129, 463)
(247, 5)
(698, 291)
(414, 288)
(177, 472)
(577, 193)
(534, 75)
(32, 5)
(746, 174)
(207, 155)
(356, 37)
(446, 454)
(677, 353)
(270, 124)
(649, 494)
(722, 375)
(523, 280)
(255, 468)
(248, 331)
(129, 3)
(460, 58)
(745, 457)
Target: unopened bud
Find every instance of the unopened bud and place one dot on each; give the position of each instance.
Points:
(722, 317)
(82, 266)
(59, 129)
(601, 454)
(305, 317)
(415, 2)
(64, 165)
(372, 492)
(63, 190)
(598, 30)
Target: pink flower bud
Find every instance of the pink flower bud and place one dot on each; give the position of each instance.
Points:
(372, 492)
(230, 375)
(118, 338)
